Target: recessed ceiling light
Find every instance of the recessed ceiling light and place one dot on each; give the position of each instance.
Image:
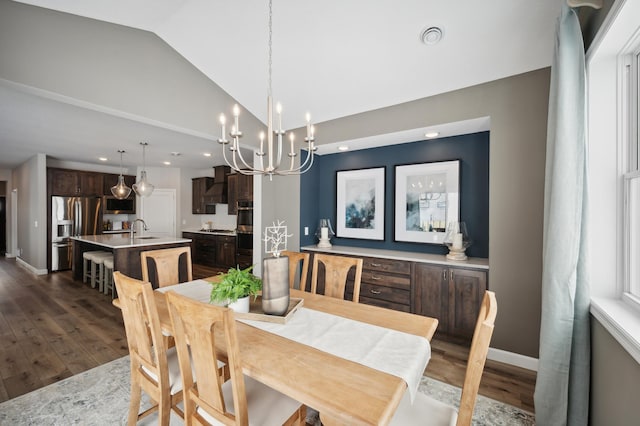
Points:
(431, 35)
(343, 148)
(176, 154)
(431, 134)
(103, 158)
(207, 154)
(166, 163)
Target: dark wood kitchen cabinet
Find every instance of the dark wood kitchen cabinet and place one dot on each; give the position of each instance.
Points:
(386, 283)
(450, 294)
(212, 250)
(199, 200)
(66, 182)
(240, 188)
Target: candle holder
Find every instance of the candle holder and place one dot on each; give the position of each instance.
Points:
(324, 233)
(457, 240)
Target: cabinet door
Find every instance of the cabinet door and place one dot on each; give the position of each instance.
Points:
(431, 294)
(226, 252)
(64, 182)
(199, 188)
(232, 194)
(90, 183)
(466, 290)
(245, 187)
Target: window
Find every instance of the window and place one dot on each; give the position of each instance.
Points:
(630, 144)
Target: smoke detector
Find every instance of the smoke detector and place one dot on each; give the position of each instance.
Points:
(431, 35)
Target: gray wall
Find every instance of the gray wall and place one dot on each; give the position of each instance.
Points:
(615, 377)
(30, 179)
(517, 107)
(113, 66)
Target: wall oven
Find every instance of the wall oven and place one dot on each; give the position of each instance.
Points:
(245, 216)
(244, 234)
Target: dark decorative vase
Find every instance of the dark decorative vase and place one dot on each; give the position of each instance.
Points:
(275, 285)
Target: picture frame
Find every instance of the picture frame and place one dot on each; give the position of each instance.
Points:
(360, 203)
(427, 198)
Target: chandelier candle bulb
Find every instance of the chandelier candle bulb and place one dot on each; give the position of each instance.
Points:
(261, 143)
(293, 153)
(279, 110)
(223, 121)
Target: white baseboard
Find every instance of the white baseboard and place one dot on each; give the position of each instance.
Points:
(30, 268)
(9, 255)
(511, 358)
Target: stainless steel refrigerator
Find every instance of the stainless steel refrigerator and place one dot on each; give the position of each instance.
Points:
(72, 216)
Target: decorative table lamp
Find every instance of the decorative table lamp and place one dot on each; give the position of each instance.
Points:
(324, 233)
(275, 271)
(457, 239)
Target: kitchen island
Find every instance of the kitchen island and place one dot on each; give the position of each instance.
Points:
(126, 250)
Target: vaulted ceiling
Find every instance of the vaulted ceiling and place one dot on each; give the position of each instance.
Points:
(331, 58)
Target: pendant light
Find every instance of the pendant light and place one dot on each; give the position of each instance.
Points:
(142, 187)
(120, 190)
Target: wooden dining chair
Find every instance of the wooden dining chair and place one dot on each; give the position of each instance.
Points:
(154, 369)
(426, 411)
(208, 400)
(170, 266)
(336, 270)
(295, 259)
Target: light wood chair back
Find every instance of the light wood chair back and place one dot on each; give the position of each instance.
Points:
(167, 266)
(150, 369)
(477, 357)
(197, 327)
(336, 270)
(294, 260)
(426, 411)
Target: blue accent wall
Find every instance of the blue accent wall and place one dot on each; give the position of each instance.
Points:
(318, 189)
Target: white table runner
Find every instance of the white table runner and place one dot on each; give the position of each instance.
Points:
(401, 354)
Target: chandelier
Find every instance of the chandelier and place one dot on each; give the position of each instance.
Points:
(273, 154)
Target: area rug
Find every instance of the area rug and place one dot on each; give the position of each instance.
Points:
(100, 396)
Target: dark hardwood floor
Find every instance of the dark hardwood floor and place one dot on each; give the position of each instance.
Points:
(53, 327)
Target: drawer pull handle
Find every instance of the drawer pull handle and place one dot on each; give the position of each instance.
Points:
(375, 291)
(373, 277)
(376, 265)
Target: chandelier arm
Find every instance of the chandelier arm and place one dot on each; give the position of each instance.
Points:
(241, 157)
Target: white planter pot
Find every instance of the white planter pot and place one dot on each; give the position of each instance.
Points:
(240, 305)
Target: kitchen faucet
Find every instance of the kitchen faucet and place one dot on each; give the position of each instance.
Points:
(133, 227)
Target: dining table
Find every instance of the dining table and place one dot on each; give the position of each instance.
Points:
(344, 391)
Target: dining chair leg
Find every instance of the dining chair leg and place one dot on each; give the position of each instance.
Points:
(134, 403)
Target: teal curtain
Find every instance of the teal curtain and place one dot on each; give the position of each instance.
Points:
(562, 387)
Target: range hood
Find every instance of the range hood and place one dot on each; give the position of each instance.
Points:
(217, 194)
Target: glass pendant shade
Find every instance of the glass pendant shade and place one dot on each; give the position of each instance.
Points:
(121, 190)
(143, 188)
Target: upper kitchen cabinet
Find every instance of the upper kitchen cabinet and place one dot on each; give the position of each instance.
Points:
(74, 182)
(240, 189)
(199, 187)
(112, 180)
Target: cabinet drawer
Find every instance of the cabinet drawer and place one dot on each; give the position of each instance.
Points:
(389, 294)
(384, 304)
(386, 265)
(379, 278)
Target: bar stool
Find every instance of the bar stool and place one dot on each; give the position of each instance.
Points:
(107, 277)
(97, 260)
(87, 256)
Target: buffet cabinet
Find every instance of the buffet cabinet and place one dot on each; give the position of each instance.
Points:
(452, 294)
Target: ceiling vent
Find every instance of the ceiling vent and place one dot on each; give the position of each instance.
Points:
(431, 35)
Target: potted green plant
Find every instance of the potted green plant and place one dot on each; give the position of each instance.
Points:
(235, 287)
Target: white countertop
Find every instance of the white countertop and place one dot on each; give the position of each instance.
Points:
(439, 259)
(116, 241)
